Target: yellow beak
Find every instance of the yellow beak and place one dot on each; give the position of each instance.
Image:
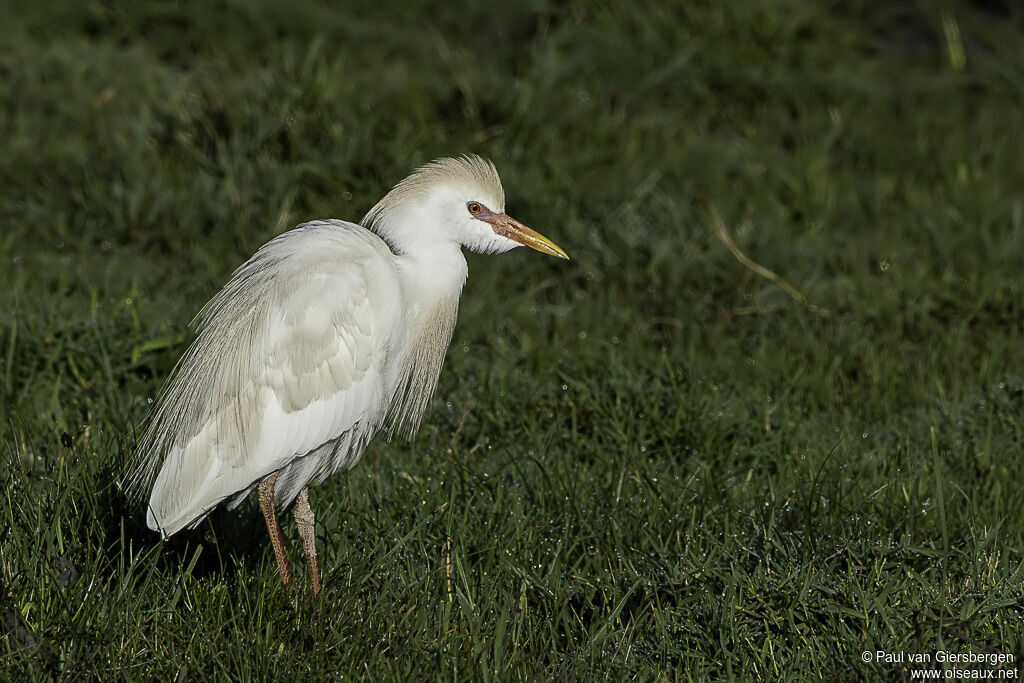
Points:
(509, 227)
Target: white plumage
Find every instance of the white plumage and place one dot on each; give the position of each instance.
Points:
(327, 334)
(315, 342)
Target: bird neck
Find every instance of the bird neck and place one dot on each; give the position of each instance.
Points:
(432, 278)
(432, 275)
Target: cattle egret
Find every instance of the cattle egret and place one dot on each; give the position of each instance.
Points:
(329, 333)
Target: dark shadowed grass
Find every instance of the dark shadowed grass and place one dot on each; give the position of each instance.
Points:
(649, 461)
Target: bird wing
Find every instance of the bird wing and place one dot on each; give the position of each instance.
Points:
(290, 354)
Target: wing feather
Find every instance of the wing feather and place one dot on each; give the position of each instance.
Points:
(291, 355)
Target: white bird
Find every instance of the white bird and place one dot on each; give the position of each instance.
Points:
(329, 333)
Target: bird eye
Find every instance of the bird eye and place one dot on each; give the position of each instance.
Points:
(475, 208)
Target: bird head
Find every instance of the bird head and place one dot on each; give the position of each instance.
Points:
(458, 200)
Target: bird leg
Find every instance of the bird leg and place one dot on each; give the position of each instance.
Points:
(265, 491)
(304, 520)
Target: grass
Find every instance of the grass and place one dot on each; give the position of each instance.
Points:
(649, 462)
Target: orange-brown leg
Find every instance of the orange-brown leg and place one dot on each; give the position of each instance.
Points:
(307, 531)
(265, 491)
